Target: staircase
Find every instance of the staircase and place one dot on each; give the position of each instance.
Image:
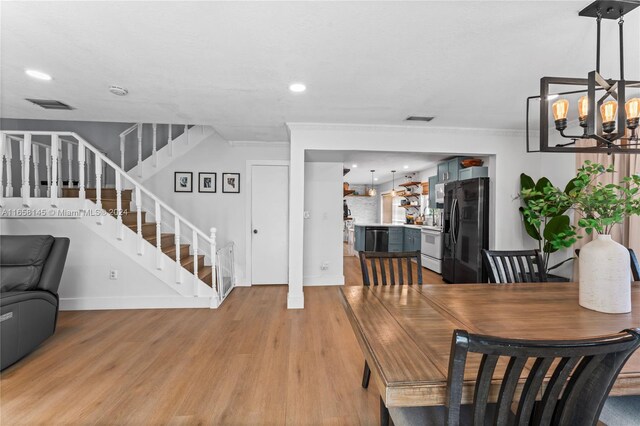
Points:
(160, 240)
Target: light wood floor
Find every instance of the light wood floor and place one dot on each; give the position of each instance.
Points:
(250, 362)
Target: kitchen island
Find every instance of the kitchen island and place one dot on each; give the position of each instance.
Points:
(387, 237)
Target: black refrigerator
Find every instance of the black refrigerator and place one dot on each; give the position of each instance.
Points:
(466, 230)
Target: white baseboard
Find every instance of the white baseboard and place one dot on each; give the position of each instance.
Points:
(143, 302)
(295, 301)
(312, 280)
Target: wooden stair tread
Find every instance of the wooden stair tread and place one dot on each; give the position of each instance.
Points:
(190, 259)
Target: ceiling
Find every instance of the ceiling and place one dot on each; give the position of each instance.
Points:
(229, 64)
(381, 162)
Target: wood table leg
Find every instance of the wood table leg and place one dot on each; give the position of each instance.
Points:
(384, 414)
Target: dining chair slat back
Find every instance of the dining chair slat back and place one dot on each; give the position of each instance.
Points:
(523, 266)
(375, 272)
(582, 374)
(384, 268)
(635, 266)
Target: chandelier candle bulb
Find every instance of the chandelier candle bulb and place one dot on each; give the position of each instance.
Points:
(632, 108)
(608, 111)
(583, 110)
(560, 109)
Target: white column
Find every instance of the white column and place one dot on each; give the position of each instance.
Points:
(295, 297)
(194, 245)
(176, 226)
(155, 144)
(122, 152)
(3, 143)
(25, 154)
(70, 164)
(139, 221)
(82, 152)
(47, 153)
(119, 226)
(159, 253)
(170, 142)
(215, 299)
(55, 143)
(35, 154)
(98, 174)
(8, 155)
(140, 149)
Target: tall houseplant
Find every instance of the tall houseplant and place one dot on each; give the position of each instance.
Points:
(604, 264)
(544, 218)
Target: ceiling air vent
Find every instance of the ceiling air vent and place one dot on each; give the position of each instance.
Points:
(419, 118)
(49, 104)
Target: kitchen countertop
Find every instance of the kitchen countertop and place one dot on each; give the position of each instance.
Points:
(398, 225)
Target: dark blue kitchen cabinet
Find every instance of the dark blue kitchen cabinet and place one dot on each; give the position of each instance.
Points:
(433, 181)
(411, 239)
(396, 238)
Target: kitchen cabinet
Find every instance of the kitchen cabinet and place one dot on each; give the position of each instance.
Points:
(411, 239)
(396, 239)
(473, 172)
(448, 170)
(359, 238)
(433, 181)
(443, 170)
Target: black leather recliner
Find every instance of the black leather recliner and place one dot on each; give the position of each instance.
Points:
(30, 272)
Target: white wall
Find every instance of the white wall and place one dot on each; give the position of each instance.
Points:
(363, 209)
(86, 273)
(226, 212)
(510, 159)
(323, 228)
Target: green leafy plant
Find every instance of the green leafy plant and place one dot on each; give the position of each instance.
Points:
(544, 218)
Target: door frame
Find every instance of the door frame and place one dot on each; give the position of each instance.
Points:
(248, 217)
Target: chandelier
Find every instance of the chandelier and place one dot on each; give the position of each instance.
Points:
(608, 119)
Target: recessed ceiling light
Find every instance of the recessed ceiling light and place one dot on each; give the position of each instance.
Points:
(297, 87)
(118, 90)
(354, 166)
(405, 167)
(38, 74)
(419, 118)
(375, 178)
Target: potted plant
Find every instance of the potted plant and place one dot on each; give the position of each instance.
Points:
(604, 264)
(546, 222)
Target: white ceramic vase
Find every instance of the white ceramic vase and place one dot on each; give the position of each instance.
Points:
(605, 276)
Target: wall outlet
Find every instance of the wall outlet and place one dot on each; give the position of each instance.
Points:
(324, 266)
(306, 214)
(113, 274)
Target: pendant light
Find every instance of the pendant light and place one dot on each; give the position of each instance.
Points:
(372, 190)
(393, 189)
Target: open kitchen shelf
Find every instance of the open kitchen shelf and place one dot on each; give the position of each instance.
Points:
(407, 184)
(348, 192)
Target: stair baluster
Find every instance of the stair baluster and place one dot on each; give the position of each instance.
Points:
(89, 169)
(120, 231)
(47, 153)
(9, 157)
(3, 144)
(194, 245)
(139, 220)
(55, 143)
(155, 147)
(140, 149)
(81, 185)
(35, 155)
(69, 162)
(122, 151)
(216, 295)
(25, 157)
(159, 253)
(169, 142)
(98, 170)
(176, 230)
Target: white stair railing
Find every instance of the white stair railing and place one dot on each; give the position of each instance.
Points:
(226, 274)
(89, 156)
(138, 129)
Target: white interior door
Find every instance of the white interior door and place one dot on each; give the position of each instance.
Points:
(269, 224)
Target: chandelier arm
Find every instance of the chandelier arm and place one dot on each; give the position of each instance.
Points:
(599, 22)
(572, 136)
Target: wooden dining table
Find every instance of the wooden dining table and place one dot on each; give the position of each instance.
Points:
(405, 332)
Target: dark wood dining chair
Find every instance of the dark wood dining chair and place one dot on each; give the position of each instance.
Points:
(635, 266)
(581, 372)
(523, 266)
(384, 268)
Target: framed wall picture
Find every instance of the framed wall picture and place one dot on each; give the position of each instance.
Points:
(207, 182)
(183, 182)
(231, 183)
